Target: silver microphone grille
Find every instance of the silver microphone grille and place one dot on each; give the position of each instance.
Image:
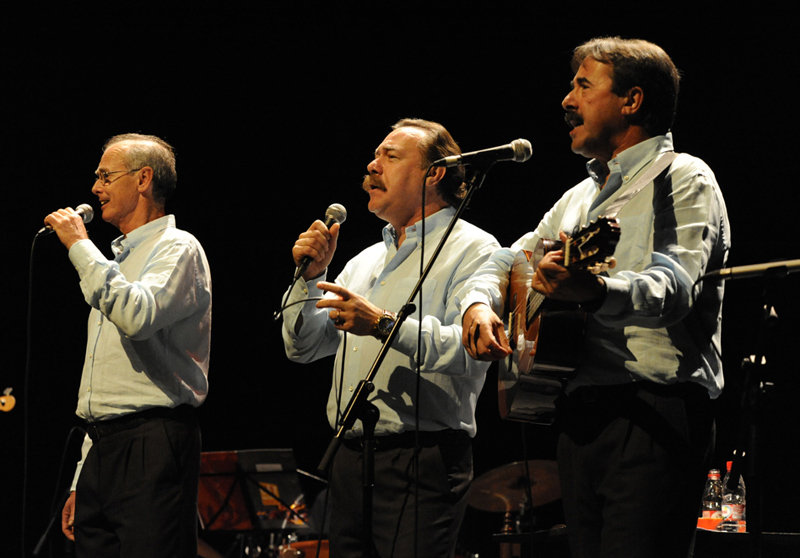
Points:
(337, 212)
(522, 150)
(86, 212)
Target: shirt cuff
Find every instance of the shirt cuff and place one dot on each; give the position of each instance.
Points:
(616, 297)
(83, 253)
(474, 297)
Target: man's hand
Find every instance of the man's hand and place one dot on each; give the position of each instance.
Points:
(68, 517)
(555, 281)
(68, 225)
(350, 312)
(318, 243)
(483, 334)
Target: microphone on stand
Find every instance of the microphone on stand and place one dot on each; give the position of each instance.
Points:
(84, 210)
(779, 269)
(519, 151)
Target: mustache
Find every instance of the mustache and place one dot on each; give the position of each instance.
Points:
(371, 182)
(573, 119)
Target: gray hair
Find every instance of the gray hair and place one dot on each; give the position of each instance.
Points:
(150, 151)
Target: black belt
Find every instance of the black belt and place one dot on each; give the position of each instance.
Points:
(616, 392)
(407, 440)
(102, 428)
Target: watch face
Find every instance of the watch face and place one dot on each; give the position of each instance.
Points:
(385, 325)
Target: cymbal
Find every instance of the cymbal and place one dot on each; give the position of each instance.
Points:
(504, 489)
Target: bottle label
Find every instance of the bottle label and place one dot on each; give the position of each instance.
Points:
(732, 512)
(737, 512)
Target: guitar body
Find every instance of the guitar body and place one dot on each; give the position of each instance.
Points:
(546, 335)
(540, 332)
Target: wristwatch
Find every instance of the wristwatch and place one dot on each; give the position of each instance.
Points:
(384, 324)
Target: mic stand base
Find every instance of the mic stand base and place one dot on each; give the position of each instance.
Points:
(369, 418)
(747, 451)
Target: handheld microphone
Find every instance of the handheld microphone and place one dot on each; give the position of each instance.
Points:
(336, 213)
(84, 210)
(519, 151)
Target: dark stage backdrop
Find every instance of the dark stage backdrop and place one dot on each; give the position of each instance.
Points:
(275, 113)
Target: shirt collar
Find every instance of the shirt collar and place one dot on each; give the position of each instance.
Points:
(129, 241)
(630, 162)
(432, 222)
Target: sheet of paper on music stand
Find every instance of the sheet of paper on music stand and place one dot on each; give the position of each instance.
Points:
(247, 490)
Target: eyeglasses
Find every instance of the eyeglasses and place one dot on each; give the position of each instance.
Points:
(103, 175)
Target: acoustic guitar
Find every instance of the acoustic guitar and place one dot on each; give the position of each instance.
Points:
(545, 334)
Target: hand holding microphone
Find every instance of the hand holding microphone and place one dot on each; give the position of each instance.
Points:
(314, 249)
(68, 226)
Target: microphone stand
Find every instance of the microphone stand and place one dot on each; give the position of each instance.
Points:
(359, 407)
(754, 388)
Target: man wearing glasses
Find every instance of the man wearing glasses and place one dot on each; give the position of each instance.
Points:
(135, 489)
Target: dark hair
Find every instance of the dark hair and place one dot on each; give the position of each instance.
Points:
(438, 143)
(635, 62)
(153, 152)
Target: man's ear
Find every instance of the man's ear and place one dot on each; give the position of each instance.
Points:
(633, 101)
(145, 179)
(435, 175)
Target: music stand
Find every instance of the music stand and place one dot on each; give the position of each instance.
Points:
(250, 490)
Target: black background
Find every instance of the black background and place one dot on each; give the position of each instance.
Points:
(275, 112)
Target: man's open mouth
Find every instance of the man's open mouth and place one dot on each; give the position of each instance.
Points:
(371, 183)
(573, 120)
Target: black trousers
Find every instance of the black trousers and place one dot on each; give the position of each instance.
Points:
(633, 461)
(445, 473)
(137, 492)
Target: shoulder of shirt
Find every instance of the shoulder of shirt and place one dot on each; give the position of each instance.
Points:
(687, 169)
(168, 235)
(169, 230)
(474, 234)
(684, 163)
(690, 163)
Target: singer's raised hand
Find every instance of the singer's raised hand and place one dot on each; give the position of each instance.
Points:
(319, 244)
(68, 225)
(349, 311)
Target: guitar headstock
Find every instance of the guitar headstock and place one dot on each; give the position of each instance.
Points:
(592, 247)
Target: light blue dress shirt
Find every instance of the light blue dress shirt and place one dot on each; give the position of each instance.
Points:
(651, 325)
(149, 329)
(386, 275)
